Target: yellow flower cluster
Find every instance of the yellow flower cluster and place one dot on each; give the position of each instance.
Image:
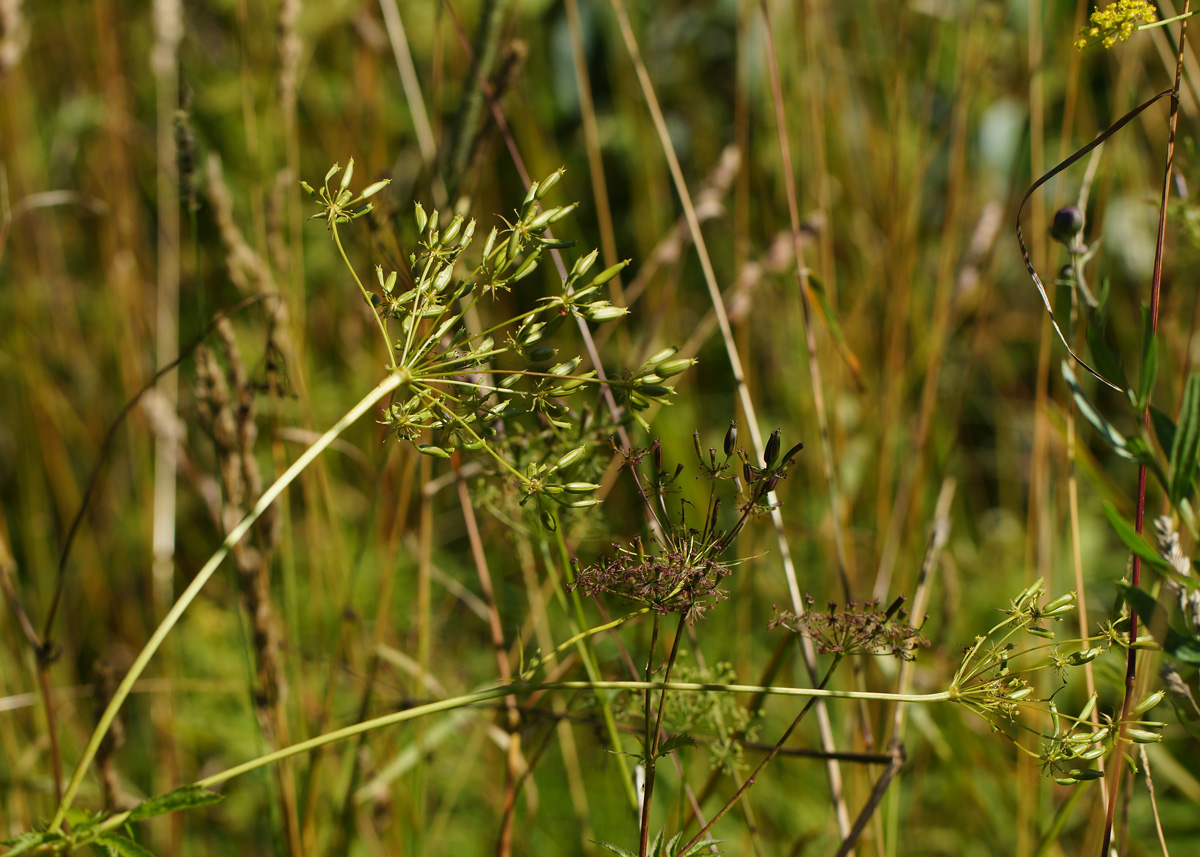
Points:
(1116, 21)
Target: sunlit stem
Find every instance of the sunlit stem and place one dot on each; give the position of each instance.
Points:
(387, 340)
(202, 577)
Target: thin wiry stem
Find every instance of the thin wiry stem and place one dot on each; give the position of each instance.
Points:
(735, 363)
(1155, 293)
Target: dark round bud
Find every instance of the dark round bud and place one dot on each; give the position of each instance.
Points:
(1067, 224)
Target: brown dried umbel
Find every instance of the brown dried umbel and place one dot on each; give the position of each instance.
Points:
(856, 629)
(684, 574)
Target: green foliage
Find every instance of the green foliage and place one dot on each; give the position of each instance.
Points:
(901, 345)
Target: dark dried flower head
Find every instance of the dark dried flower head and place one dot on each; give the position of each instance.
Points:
(682, 577)
(856, 629)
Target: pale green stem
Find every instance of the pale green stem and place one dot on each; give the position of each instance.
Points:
(1165, 22)
(583, 635)
(523, 689)
(387, 340)
(385, 387)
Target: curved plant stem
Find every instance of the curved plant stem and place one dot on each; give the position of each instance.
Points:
(390, 383)
(387, 340)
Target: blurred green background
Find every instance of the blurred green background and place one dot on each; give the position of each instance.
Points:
(914, 129)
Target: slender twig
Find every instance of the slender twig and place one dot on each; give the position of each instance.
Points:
(753, 778)
(1155, 293)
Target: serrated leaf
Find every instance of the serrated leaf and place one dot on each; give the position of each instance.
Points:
(122, 846)
(185, 797)
(1186, 442)
(1183, 647)
(26, 842)
(105, 847)
(1088, 411)
(674, 743)
(1133, 540)
(616, 849)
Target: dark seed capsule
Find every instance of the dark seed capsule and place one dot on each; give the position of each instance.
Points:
(731, 438)
(772, 451)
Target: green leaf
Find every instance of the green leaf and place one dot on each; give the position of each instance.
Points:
(817, 288)
(1186, 442)
(185, 797)
(1164, 427)
(1113, 437)
(1149, 361)
(123, 846)
(616, 849)
(1133, 540)
(26, 842)
(1103, 358)
(675, 743)
(1183, 647)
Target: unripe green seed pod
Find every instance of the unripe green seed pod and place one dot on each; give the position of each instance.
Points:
(660, 356)
(608, 273)
(580, 487)
(435, 451)
(421, 217)
(562, 212)
(375, 188)
(549, 182)
(582, 265)
(1090, 706)
(540, 354)
(1149, 702)
(1143, 736)
(452, 230)
(527, 267)
(578, 504)
(1086, 656)
(346, 176)
(669, 368)
(605, 313)
(570, 458)
(542, 220)
(1058, 603)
